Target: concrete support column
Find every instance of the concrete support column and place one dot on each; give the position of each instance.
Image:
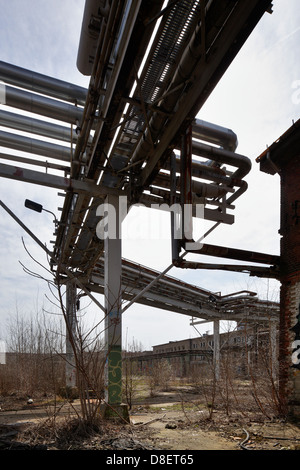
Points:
(217, 349)
(113, 322)
(70, 334)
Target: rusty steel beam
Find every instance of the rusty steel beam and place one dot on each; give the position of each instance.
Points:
(54, 181)
(258, 271)
(237, 254)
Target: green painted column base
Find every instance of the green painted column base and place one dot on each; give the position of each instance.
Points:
(113, 375)
(115, 412)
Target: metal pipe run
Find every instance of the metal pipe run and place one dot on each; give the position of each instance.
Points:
(38, 147)
(42, 105)
(36, 126)
(223, 156)
(214, 134)
(204, 171)
(146, 275)
(161, 196)
(219, 155)
(197, 187)
(95, 11)
(39, 83)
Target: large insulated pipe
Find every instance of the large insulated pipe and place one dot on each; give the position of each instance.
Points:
(38, 147)
(242, 163)
(94, 11)
(39, 83)
(214, 134)
(216, 154)
(42, 105)
(36, 126)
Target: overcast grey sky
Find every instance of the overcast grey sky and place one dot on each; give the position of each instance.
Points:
(258, 98)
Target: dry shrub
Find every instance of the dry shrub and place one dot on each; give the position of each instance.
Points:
(61, 433)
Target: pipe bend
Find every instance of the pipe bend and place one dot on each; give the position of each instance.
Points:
(242, 162)
(242, 189)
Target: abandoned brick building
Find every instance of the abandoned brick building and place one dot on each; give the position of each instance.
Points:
(243, 348)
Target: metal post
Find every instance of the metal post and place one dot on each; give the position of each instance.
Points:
(70, 334)
(217, 349)
(174, 217)
(186, 184)
(113, 323)
(273, 343)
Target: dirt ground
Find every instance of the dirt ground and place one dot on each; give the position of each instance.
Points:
(162, 422)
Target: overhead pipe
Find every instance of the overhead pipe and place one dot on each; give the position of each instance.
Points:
(198, 187)
(38, 147)
(99, 46)
(242, 163)
(201, 170)
(150, 274)
(113, 49)
(223, 156)
(94, 13)
(161, 196)
(105, 43)
(36, 126)
(214, 134)
(40, 83)
(42, 105)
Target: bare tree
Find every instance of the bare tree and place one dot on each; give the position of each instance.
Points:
(85, 342)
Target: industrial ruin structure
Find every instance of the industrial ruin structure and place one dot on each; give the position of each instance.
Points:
(283, 158)
(135, 138)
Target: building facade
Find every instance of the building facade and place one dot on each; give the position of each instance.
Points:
(242, 349)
